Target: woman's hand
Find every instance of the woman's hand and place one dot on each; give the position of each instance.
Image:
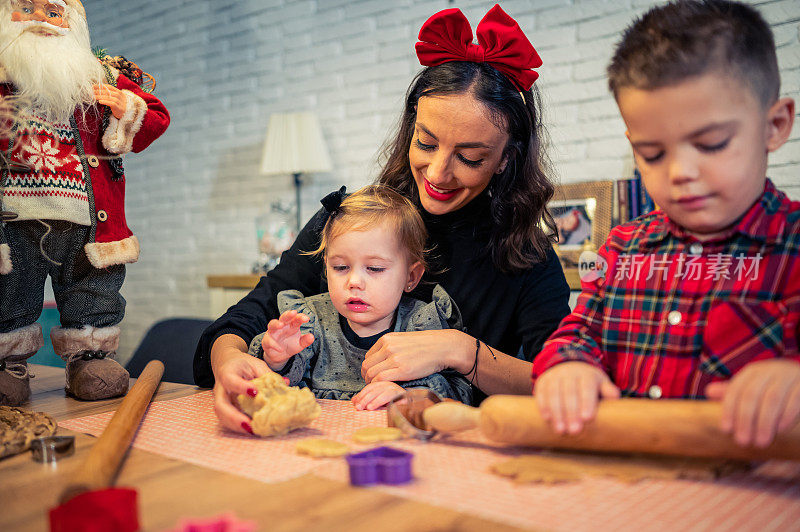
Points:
(283, 339)
(112, 97)
(760, 401)
(405, 356)
(567, 393)
(233, 368)
(376, 394)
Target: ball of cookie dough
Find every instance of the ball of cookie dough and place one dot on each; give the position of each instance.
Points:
(278, 408)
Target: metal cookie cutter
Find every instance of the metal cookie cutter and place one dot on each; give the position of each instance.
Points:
(52, 448)
(381, 464)
(405, 413)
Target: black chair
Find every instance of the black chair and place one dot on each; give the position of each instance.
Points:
(173, 342)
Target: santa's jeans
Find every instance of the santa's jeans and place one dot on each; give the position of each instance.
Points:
(85, 295)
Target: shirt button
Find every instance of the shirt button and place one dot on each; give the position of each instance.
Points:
(93, 161)
(696, 248)
(674, 317)
(654, 392)
(102, 216)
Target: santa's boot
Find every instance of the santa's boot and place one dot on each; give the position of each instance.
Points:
(15, 349)
(92, 373)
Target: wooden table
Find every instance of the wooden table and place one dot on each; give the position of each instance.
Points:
(170, 490)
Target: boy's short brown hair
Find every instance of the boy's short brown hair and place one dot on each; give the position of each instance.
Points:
(688, 38)
(371, 206)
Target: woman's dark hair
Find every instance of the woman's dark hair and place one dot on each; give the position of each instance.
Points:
(522, 227)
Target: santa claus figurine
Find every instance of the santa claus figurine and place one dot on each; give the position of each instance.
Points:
(62, 194)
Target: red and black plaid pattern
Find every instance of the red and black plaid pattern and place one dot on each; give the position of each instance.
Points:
(677, 313)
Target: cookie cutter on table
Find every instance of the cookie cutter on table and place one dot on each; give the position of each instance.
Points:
(52, 448)
(405, 412)
(386, 465)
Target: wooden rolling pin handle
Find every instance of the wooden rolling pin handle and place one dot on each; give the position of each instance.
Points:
(670, 427)
(451, 416)
(105, 457)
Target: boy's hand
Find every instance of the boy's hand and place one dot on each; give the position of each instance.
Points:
(283, 339)
(567, 394)
(760, 401)
(376, 394)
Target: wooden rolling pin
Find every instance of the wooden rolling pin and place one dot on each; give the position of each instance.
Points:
(105, 457)
(669, 427)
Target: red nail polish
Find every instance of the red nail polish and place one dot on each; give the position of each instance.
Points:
(246, 426)
(252, 392)
(286, 380)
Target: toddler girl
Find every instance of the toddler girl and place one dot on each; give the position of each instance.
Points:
(373, 249)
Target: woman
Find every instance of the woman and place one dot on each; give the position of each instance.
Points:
(468, 153)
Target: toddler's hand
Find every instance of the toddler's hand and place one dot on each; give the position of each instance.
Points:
(760, 401)
(283, 339)
(376, 394)
(567, 394)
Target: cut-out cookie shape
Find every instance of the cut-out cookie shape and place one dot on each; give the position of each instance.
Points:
(556, 468)
(377, 434)
(321, 448)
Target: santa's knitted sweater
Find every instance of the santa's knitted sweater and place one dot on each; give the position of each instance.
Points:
(53, 187)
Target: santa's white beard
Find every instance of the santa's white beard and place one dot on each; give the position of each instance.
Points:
(54, 75)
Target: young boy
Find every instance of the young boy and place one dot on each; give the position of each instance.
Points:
(701, 298)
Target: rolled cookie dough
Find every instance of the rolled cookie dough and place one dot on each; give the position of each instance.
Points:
(278, 408)
(319, 448)
(555, 468)
(376, 434)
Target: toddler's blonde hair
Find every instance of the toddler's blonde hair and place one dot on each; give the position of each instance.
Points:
(373, 205)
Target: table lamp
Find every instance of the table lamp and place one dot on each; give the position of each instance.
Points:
(294, 145)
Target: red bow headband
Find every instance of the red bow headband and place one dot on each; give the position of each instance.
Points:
(447, 36)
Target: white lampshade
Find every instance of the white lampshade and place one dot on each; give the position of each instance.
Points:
(294, 145)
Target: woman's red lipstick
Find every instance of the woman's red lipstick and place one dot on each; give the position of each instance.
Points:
(439, 196)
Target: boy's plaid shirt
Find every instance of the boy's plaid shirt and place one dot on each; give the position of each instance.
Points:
(674, 314)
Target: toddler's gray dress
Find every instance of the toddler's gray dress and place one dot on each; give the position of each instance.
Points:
(331, 366)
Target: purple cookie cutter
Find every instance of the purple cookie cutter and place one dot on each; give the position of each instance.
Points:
(381, 464)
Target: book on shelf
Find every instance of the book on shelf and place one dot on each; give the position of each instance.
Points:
(634, 203)
(646, 201)
(622, 201)
(632, 199)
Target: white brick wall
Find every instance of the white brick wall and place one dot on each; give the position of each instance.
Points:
(224, 65)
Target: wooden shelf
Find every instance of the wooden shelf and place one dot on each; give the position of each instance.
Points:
(227, 290)
(573, 279)
(245, 280)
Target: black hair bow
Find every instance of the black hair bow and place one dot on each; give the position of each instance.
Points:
(333, 201)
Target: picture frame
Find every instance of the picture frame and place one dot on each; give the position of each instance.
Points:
(583, 213)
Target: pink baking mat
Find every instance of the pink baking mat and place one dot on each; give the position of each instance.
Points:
(455, 474)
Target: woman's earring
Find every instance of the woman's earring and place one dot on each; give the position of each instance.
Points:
(502, 167)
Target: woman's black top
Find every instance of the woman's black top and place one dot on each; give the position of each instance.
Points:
(514, 313)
